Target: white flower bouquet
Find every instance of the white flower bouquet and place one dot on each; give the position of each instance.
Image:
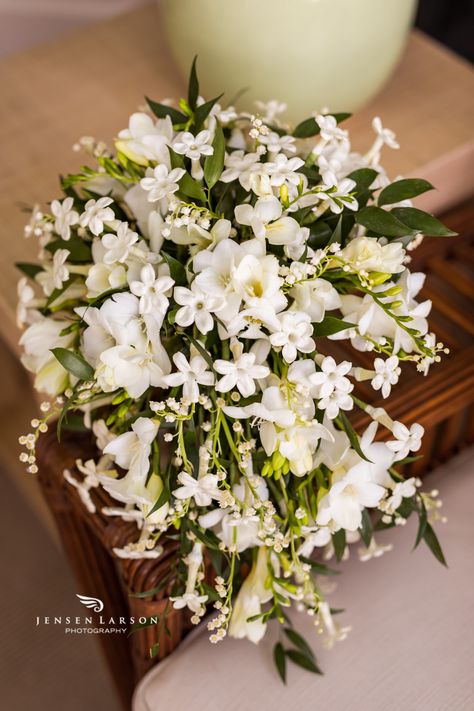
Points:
(190, 285)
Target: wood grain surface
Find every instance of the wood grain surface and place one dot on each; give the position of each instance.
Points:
(88, 82)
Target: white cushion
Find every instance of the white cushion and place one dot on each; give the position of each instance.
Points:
(411, 647)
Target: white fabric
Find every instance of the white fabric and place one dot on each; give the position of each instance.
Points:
(411, 647)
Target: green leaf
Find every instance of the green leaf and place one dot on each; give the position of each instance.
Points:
(299, 642)
(420, 221)
(202, 351)
(422, 521)
(337, 234)
(309, 127)
(162, 111)
(149, 621)
(193, 87)
(366, 529)
(163, 498)
(202, 112)
(303, 661)
(403, 190)
(151, 591)
(382, 222)
(280, 660)
(339, 543)
(214, 164)
(154, 649)
(319, 568)
(352, 434)
(177, 270)
(176, 159)
(341, 116)
(431, 540)
(306, 128)
(330, 325)
(75, 423)
(79, 251)
(63, 414)
(207, 537)
(191, 188)
(363, 178)
(30, 270)
(74, 363)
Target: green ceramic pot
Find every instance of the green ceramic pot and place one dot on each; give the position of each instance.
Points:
(309, 53)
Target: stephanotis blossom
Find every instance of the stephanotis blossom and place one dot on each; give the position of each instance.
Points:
(190, 375)
(190, 286)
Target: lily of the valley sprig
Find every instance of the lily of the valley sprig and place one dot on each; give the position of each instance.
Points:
(189, 286)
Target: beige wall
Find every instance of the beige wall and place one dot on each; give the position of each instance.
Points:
(25, 23)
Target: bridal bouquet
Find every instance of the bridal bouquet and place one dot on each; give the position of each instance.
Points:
(190, 285)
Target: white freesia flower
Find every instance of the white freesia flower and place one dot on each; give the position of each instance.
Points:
(65, 216)
(273, 408)
(146, 139)
(257, 281)
(266, 222)
(342, 506)
(37, 342)
(190, 375)
(132, 450)
(313, 538)
(297, 444)
(334, 631)
(314, 298)
(198, 238)
(366, 253)
(215, 270)
(191, 599)
(294, 334)
(252, 595)
(103, 277)
(126, 367)
(161, 183)
(196, 307)
(96, 213)
(152, 290)
(372, 321)
(96, 338)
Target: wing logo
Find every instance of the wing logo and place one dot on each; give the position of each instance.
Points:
(91, 602)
